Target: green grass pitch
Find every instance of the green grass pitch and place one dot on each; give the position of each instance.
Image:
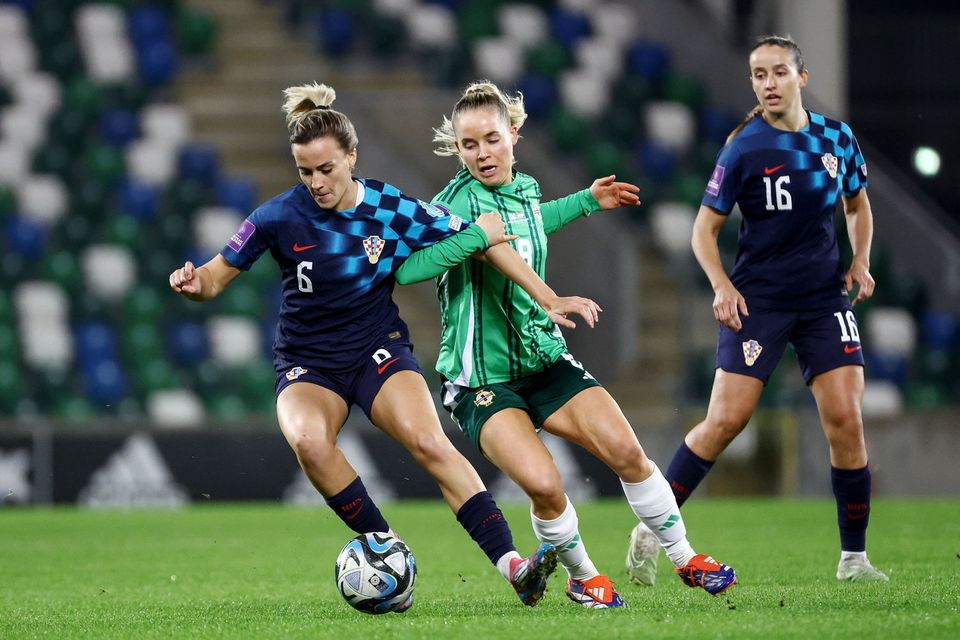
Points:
(266, 571)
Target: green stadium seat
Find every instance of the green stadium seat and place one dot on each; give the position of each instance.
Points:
(140, 341)
(62, 268)
(549, 59)
(227, 407)
(685, 89)
(241, 299)
(123, 230)
(605, 158)
(74, 408)
(567, 130)
(10, 388)
(9, 343)
(196, 30)
(478, 19)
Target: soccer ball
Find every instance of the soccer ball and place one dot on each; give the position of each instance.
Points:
(376, 573)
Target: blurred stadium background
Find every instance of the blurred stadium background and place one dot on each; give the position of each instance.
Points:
(137, 134)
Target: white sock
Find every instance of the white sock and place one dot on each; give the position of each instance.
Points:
(848, 555)
(564, 534)
(654, 503)
(503, 564)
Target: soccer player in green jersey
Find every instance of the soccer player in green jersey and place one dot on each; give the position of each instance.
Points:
(506, 366)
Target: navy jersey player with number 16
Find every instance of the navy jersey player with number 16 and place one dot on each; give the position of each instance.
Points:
(340, 341)
(786, 168)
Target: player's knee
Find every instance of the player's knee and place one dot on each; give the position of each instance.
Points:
(431, 449)
(310, 450)
(627, 457)
(727, 425)
(545, 491)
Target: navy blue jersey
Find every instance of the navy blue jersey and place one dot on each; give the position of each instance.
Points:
(337, 269)
(787, 184)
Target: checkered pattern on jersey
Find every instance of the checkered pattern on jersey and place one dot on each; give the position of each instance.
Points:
(337, 269)
(787, 185)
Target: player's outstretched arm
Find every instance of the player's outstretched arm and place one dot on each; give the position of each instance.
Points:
(508, 262)
(205, 282)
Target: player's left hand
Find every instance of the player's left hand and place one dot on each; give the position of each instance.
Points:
(560, 307)
(859, 274)
(611, 194)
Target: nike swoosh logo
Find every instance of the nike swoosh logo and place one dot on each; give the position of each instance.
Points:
(857, 516)
(298, 248)
(848, 349)
(769, 170)
(353, 515)
(386, 364)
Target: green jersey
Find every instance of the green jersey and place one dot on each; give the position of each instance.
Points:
(492, 330)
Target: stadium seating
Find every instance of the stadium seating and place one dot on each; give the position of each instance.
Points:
(104, 190)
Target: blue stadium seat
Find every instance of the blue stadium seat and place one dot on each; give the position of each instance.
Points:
(94, 341)
(24, 237)
(118, 127)
(657, 163)
(569, 27)
(336, 31)
(237, 192)
(939, 330)
(188, 343)
(200, 162)
(650, 60)
(539, 94)
(105, 382)
(138, 199)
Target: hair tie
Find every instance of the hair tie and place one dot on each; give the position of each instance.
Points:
(322, 106)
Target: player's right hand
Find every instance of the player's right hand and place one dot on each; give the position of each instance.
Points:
(728, 306)
(492, 225)
(559, 308)
(186, 280)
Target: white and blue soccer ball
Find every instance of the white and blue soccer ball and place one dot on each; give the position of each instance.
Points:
(376, 573)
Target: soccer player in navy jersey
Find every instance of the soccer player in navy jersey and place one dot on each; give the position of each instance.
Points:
(340, 341)
(786, 167)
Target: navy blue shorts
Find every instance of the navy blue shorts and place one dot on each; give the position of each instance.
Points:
(825, 339)
(359, 386)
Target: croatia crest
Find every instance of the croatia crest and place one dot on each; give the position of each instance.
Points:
(295, 373)
(751, 351)
(373, 245)
(830, 164)
(484, 398)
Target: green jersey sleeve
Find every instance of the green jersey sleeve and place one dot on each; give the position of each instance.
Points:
(562, 211)
(430, 262)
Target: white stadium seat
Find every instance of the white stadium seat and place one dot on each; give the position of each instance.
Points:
(670, 124)
(167, 123)
(525, 24)
(432, 26)
(43, 199)
(672, 226)
(175, 408)
(151, 161)
(614, 22)
(213, 227)
(584, 93)
(109, 271)
(892, 331)
(498, 59)
(234, 341)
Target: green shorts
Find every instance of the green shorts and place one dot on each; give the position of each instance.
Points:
(539, 394)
